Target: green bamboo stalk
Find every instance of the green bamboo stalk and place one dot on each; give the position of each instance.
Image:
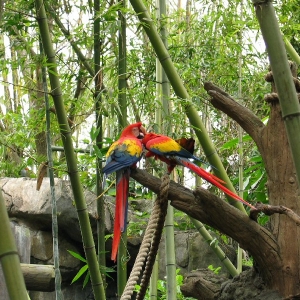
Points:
(182, 93)
(169, 222)
(153, 280)
(99, 139)
(9, 258)
(218, 251)
(122, 68)
(240, 137)
(291, 50)
(157, 128)
(66, 135)
(288, 99)
(58, 293)
(122, 99)
(170, 258)
(122, 265)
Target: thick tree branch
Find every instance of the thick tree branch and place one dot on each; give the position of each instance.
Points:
(242, 115)
(211, 210)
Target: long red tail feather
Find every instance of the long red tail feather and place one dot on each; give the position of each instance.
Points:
(213, 180)
(120, 210)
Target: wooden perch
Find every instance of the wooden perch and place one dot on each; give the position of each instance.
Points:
(213, 211)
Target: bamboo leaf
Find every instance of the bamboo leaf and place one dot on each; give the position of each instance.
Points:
(80, 273)
(86, 279)
(76, 255)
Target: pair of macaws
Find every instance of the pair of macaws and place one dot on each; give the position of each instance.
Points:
(128, 150)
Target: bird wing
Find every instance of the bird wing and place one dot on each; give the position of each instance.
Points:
(163, 145)
(123, 153)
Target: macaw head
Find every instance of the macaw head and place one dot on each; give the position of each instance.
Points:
(134, 130)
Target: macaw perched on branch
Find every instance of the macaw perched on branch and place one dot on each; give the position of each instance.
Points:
(121, 155)
(179, 153)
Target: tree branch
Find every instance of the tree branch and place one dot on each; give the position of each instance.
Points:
(211, 210)
(242, 115)
(271, 209)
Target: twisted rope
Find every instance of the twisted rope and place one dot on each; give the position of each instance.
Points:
(162, 200)
(151, 232)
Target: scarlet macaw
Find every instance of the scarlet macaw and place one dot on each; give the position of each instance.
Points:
(121, 155)
(173, 153)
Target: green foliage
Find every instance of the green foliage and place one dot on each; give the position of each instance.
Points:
(162, 289)
(254, 176)
(182, 221)
(248, 262)
(84, 269)
(215, 270)
(137, 227)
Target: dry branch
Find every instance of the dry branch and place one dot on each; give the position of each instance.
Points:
(271, 209)
(242, 115)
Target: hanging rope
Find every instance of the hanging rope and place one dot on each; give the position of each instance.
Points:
(150, 243)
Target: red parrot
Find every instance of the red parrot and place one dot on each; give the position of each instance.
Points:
(121, 155)
(174, 153)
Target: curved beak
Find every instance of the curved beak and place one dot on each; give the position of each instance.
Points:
(142, 133)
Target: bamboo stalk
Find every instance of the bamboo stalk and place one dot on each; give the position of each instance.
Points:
(170, 259)
(66, 136)
(58, 293)
(192, 114)
(122, 117)
(288, 99)
(291, 50)
(99, 140)
(240, 137)
(218, 251)
(153, 281)
(9, 258)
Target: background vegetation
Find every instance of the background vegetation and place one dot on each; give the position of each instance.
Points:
(207, 41)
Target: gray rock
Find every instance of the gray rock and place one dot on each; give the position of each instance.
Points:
(192, 252)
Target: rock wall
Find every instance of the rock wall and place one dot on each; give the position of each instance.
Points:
(30, 213)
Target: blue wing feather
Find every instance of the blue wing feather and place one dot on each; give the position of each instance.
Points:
(120, 158)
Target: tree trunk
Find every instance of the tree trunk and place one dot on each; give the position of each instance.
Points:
(282, 185)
